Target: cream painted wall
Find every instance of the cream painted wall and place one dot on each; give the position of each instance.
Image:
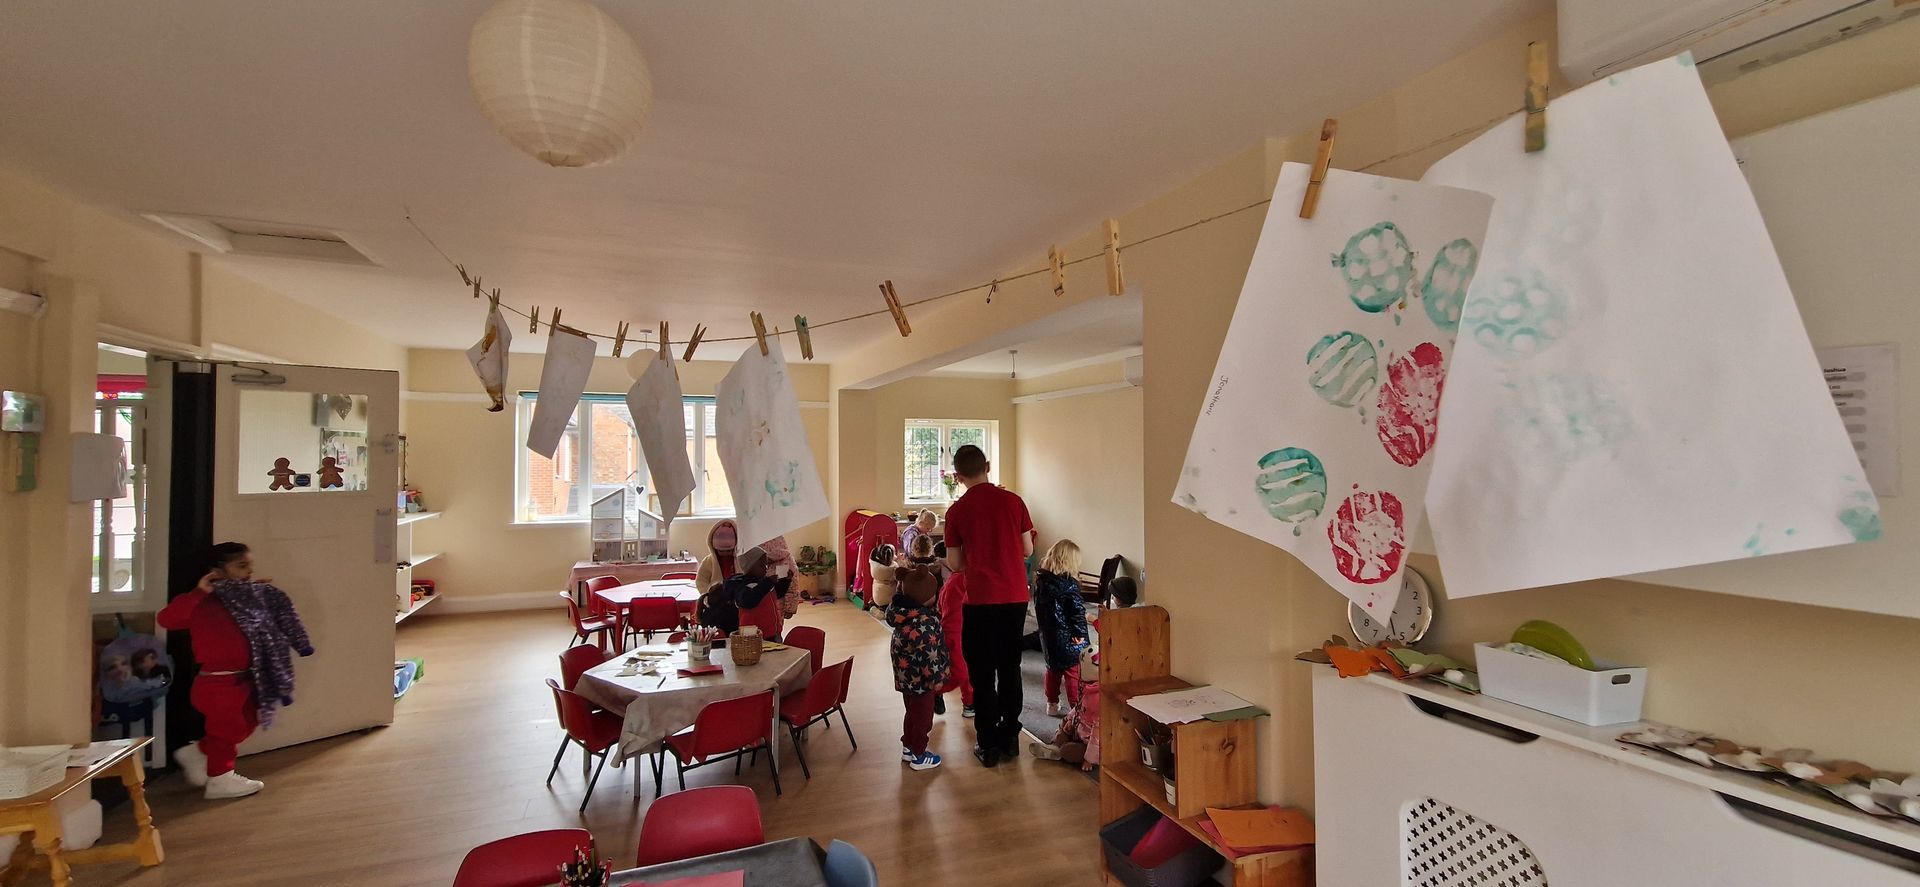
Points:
(1081, 464)
(1702, 647)
(243, 314)
(874, 475)
(462, 458)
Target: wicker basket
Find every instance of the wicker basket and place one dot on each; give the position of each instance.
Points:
(745, 648)
(29, 769)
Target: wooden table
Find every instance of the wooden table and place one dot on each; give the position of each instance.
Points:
(35, 814)
(794, 862)
(659, 705)
(626, 573)
(682, 591)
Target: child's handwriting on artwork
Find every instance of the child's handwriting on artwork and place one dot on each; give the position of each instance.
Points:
(1219, 388)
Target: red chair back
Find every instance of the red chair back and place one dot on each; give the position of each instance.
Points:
(576, 661)
(595, 605)
(699, 821)
(846, 680)
(733, 724)
(527, 860)
(820, 696)
(676, 577)
(810, 639)
(653, 614)
(577, 718)
(573, 612)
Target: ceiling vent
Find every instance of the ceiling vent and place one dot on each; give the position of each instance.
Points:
(234, 237)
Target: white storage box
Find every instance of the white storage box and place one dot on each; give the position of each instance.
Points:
(30, 769)
(1607, 695)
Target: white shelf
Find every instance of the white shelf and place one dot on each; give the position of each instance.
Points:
(1602, 741)
(419, 559)
(416, 517)
(417, 607)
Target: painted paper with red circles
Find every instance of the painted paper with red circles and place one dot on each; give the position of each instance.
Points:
(1409, 413)
(1369, 537)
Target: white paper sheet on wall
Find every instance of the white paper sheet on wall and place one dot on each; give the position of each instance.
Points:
(763, 444)
(563, 378)
(99, 469)
(1633, 388)
(1317, 430)
(489, 359)
(660, 420)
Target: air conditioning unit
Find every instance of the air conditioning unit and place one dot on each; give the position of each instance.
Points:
(1727, 37)
(1135, 370)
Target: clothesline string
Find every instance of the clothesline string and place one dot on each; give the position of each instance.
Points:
(1457, 134)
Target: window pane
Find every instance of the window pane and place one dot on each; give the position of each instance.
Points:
(719, 497)
(961, 435)
(552, 490)
(924, 463)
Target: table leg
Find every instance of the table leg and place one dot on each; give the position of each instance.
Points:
(146, 846)
(16, 869)
(46, 841)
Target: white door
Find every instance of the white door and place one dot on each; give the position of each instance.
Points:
(323, 531)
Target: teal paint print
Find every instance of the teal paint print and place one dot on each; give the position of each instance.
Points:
(1444, 291)
(1517, 317)
(1292, 485)
(1343, 368)
(1378, 266)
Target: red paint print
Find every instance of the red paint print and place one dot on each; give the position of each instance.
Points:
(1409, 413)
(1368, 537)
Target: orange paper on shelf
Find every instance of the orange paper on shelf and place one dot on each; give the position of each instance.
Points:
(1258, 831)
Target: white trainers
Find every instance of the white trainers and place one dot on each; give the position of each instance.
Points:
(232, 785)
(1054, 710)
(1043, 751)
(193, 763)
(924, 761)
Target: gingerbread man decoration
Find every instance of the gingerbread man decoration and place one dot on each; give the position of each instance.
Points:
(282, 474)
(330, 473)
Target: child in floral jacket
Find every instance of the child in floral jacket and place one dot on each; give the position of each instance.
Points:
(920, 659)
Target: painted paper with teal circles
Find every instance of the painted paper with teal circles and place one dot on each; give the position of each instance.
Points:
(1343, 368)
(1444, 291)
(1517, 316)
(1862, 518)
(1378, 266)
(1292, 485)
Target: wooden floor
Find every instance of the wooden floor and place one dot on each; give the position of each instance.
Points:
(465, 759)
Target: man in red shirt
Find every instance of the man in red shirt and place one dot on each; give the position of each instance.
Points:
(989, 537)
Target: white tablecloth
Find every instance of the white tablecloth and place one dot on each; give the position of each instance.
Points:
(661, 704)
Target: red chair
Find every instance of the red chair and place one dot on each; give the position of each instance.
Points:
(595, 605)
(527, 860)
(730, 728)
(846, 687)
(596, 628)
(576, 661)
(817, 702)
(810, 639)
(677, 577)
(711, 819)
(646, 615)
(596, 732)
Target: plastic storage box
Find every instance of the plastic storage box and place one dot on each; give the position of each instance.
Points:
(1193, 866)
(30, 769)
(1610, 694)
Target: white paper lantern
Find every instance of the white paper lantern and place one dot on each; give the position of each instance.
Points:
(560, 79)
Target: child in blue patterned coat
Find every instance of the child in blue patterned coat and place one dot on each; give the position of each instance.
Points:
(920, 659)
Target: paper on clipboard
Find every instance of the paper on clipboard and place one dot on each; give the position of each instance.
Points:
(1186, 706)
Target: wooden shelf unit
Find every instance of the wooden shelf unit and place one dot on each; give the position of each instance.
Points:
(1215, 763)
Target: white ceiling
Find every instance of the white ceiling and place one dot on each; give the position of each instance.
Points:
(798, 153)
(1101, 341)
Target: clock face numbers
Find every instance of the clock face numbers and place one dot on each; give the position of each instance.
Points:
(1407, 622)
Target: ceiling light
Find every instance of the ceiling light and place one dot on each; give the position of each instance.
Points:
(559, 79)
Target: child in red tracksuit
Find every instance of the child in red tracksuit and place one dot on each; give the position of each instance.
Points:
(223, 690)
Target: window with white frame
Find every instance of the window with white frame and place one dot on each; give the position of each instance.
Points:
(600, 453)
(120, 524)
(930, 444)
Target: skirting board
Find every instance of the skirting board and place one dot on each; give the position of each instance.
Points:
(497, 603)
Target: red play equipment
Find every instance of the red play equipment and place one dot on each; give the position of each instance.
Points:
(866, 530)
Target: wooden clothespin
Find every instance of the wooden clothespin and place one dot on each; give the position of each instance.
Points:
(1536, 96)
(533, 319)
(464, 279)
(556, 319)
(1059, 270)
(1320, 162)
(493, 300)
(894, 308)
(1116, 278)
(759, 331)
(476, 285)
(664, 356)
(806, 335)
(619, 338)
(699, 331)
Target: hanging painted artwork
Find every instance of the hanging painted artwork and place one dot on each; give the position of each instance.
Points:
(1633, 388)
(489, 358)
(659, 418)
(1318, 430)
(763, 444)
(563, 378)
